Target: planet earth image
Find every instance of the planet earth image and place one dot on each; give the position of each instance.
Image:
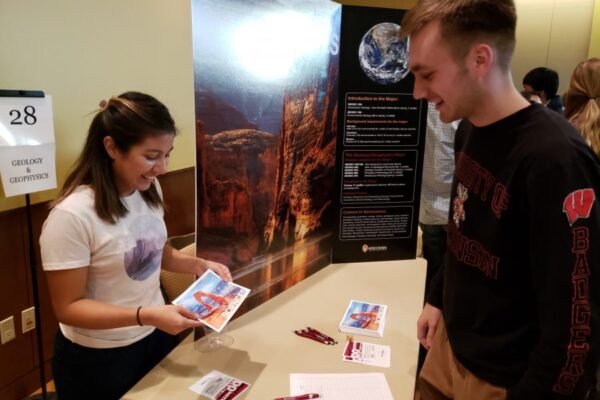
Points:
(383, 56)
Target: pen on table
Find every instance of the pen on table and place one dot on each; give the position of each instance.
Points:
(316, 335)
(321, 334)
(322, 338)
(312, 337)
(300, 397)
(309, 336)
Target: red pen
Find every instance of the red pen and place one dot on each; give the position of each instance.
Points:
(319, 333)
(320, 337)
(309, 336)
(300, 397)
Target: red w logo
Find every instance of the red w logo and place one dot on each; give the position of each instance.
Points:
(578, 204)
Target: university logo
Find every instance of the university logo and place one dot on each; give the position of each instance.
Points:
(462, 194)
(578, 204)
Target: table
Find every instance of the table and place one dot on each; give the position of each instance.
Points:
(266, 350)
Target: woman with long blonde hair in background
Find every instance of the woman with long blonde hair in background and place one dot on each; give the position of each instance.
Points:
(582, 109)
(582, 101)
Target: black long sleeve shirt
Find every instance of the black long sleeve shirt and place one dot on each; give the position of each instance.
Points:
(520, 286)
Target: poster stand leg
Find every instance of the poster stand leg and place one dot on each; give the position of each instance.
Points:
(36, 302)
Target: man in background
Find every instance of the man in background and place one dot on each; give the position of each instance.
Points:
(544, 82)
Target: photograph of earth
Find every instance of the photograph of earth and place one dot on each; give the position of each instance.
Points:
(382, 55)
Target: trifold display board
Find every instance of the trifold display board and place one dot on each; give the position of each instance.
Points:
(309, 143)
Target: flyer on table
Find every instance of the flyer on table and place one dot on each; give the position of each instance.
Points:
(218, 386)
(367, 353)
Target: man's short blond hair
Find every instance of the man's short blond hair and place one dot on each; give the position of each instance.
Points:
(464, 22)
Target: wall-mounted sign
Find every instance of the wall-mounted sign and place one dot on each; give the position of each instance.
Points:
(27, 149)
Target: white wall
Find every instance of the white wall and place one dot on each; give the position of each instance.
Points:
(81, 51)
(553, 34)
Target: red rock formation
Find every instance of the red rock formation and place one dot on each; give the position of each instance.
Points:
(217, 115)
(261, 192)
(237, 190)
(306, 163)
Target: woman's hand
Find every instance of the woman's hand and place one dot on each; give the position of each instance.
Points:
(176, 261)
(169, 318)
(219, 269)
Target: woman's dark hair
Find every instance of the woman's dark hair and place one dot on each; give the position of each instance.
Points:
(128, 119)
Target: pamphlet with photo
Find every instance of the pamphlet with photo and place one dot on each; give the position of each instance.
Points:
(213, 300)
(364, 318)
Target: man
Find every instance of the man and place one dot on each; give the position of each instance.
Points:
(520, 313)
(544, 82)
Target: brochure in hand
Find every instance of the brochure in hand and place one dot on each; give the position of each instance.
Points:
(363, 318)
(213, 300)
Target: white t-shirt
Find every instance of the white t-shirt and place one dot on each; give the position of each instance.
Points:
(123, 259)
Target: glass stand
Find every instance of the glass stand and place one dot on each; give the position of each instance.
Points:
(212, 340)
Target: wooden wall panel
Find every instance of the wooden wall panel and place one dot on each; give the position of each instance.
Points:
(179, 191)
(16, 355)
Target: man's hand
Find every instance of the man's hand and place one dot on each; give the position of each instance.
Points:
(427, 324)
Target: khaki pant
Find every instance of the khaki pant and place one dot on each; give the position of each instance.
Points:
(443, 377)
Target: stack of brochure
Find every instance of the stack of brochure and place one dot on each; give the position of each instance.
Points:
(364, 318)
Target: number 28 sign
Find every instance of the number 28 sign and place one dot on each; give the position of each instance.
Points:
(27, 159)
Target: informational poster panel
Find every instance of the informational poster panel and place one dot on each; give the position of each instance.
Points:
(381, 133)
(27, 149)
(266, 75)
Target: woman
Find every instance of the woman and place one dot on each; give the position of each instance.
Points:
(582, 108)
(582, 101)
(103, 246)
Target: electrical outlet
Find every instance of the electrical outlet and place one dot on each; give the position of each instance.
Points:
(28, 319)
(7, 329)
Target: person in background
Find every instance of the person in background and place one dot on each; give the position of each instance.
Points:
(544, 82)
(438, 171)
(102, 248)
(582, 109)
(531, 97)
(513, 312)
(582, 101)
